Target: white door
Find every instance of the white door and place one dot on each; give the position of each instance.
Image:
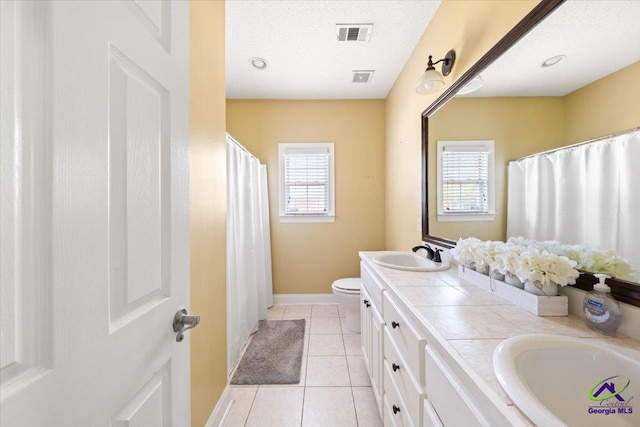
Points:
(94, 203)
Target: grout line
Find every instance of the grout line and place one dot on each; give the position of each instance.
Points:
(306, 367)
(255, 395)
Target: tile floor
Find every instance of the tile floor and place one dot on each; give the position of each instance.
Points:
(334, 388)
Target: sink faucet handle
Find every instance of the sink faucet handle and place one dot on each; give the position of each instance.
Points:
(430, 253)
(436, 255)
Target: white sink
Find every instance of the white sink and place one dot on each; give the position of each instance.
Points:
(409, 262)
(560, 381)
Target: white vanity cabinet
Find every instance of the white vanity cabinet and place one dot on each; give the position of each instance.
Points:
(403, 361)
(417, 377)
(371, 330)
(447, 395)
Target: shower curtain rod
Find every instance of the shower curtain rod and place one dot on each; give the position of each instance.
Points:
(242, 147)
(577, 144)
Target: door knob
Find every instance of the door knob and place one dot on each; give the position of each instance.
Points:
(183, 322)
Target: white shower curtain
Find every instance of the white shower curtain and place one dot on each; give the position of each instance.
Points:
(249, 282)
(585, 194)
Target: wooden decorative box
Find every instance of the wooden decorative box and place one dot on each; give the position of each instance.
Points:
(538, 305)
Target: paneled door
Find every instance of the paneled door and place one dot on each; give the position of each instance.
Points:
(95, 213)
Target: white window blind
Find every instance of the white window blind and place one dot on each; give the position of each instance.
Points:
(465, 181)
(465, 170)
(306, 180)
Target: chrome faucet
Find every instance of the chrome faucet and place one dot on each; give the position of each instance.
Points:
(433, 255)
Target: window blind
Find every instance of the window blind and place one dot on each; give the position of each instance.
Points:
(465, 180)
(306, 181)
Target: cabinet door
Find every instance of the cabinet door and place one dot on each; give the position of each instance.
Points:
(447, 394)
(365, 327)
(430, 417)
(377, 355)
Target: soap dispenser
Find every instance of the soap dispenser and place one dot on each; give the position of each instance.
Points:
(601, 309)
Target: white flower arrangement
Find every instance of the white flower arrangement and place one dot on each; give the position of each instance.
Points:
(586, 258)
(506, 259)
(480, 255)
(606, 262)
(464, 250)
(542, 261)
(544, 268)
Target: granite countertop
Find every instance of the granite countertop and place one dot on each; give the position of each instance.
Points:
(473, 322)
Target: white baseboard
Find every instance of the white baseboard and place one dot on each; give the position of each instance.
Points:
(222, 409)
(298, 299)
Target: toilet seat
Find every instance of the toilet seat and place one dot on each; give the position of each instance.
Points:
(347, 286)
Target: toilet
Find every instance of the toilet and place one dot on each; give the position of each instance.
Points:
(347, 292)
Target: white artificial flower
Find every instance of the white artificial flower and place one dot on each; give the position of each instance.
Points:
(544, 267)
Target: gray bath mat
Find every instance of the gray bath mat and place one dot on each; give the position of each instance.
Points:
(274, 355)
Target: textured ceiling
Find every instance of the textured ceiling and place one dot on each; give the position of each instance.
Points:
(597, 37)
(305, 61)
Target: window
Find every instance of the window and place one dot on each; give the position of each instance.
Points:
(307, 185)
(466, 181)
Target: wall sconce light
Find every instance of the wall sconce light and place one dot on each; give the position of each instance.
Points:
(432, 81)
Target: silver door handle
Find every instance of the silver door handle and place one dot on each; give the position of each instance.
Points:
(183, 322)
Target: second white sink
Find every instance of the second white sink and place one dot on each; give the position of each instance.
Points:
(409, 262)
(562, 381)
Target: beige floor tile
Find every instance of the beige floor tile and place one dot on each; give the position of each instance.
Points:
(305, 347)
(329, 406)
(324, 311)
(326, 345)
(341, 311)
(366, 407)
(327, 371)
(325, 325)
(275, 312)
(343, 326)
(297, 312)
(242, 401)
(353, 344)
(358, 371)
(307, 325)
(277, 407)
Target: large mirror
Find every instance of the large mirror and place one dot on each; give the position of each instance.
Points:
(526, 108)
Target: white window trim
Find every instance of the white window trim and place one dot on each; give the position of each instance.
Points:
(331, 212)
(489, 216)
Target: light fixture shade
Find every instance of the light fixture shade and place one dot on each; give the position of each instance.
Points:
(431, 81)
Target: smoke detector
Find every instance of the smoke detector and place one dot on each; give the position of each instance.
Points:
(353, 32)
(362, 76)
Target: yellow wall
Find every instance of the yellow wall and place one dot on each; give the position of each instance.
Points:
(608, 105)
(208, 207)
(519, 126)
(307, 258)
(471, 27)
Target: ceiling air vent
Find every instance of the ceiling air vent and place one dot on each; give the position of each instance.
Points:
(362, 76)
(353, 32)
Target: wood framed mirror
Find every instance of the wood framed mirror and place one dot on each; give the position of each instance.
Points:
(628, 292)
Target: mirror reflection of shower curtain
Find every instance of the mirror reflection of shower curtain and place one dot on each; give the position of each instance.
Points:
(585, 194)
(249, 280)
